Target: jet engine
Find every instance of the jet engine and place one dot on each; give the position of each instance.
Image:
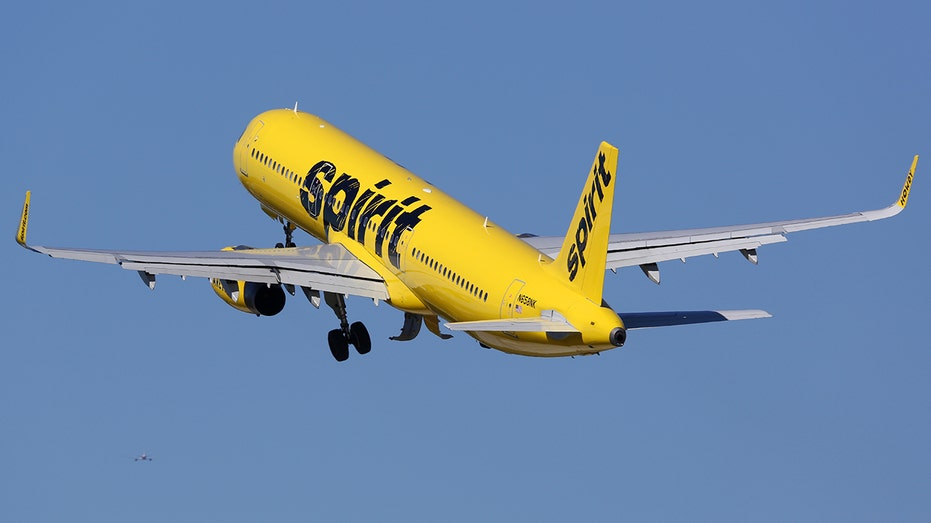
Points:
(260, 299)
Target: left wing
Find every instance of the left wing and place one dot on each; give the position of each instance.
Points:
(329, 268)
(646, 249)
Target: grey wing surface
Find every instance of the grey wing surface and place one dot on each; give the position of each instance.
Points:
(329, 268)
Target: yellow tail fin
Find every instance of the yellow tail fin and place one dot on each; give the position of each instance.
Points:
(585, 250)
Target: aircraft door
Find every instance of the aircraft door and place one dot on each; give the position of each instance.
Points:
(248, 143)
(509, 302)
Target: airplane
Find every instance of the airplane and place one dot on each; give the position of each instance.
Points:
(142, 457)
(389, 235)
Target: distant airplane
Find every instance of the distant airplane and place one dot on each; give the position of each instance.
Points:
(391, 236)
(142, 457)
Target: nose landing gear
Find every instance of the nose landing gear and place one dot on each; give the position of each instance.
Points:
(340, 339)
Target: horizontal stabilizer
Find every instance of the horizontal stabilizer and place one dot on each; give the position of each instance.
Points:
(550, 321)
(644, 320)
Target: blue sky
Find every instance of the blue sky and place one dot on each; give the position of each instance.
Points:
(121, 120)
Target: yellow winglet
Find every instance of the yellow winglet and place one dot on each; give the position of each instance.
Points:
(23, 222)
(908, 184)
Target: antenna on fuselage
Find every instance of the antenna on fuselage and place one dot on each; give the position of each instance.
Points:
(295, 107)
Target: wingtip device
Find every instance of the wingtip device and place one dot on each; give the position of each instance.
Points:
(903, 198)
(23, 222)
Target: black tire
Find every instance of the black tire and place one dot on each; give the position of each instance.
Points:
(339, 346)
(279, 245)
(359, 337)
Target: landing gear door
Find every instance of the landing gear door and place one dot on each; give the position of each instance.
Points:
(509, 302)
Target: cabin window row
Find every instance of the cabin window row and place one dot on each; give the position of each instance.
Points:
(449, 274)
(275, 166)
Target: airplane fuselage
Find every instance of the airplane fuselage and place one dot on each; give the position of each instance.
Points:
(437, 256)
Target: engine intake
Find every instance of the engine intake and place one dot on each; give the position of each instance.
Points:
(262, 299)
(251, 297)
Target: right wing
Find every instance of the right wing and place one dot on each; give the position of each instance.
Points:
(329, 268)
(646, 249)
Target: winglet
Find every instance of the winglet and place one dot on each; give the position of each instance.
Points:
(903, 199)
(23, 223)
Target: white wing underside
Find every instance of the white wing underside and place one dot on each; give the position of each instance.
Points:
(329, 268)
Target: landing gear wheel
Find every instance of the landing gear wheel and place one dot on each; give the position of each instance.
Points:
(339, 345)
(279, 245)
(359, 337)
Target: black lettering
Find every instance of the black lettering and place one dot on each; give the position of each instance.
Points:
(908, 186)
(21, 236)
(311, 192)
(572, 262)
(383, 230)
(591, 201)
(347, 185)
(407, 220)
(366, 215)
(581, 240)
(605, 175)
(597, 186)
(376, 207)
(527, 300)
(312, 196)
(356, 209)
(344, 208)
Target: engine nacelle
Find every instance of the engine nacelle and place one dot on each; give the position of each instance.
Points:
(255, 298)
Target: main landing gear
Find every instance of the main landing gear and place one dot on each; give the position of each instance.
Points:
(288, 232)
(340, 339)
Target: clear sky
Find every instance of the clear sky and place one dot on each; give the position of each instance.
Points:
(121, 119)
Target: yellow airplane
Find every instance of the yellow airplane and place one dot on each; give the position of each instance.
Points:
(390, 235)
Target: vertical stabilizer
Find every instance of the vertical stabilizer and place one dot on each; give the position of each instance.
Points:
(585, 250)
